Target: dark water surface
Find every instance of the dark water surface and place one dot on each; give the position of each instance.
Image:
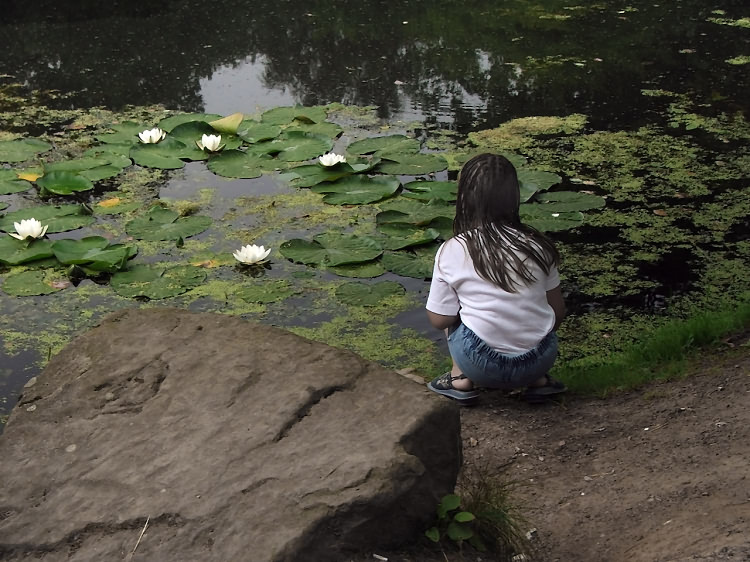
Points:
(472, 64)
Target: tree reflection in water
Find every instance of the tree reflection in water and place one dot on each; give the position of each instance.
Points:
(471, 64)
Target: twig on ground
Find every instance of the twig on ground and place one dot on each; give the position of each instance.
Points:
(143, 531)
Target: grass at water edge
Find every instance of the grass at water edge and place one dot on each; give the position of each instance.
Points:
(662, 354)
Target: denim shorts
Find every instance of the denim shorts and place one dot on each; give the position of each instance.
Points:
(488, 368)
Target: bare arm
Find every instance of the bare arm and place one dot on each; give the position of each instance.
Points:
(555, 300)
(440, 321)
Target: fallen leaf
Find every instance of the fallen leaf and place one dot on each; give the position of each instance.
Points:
(206, 263)
(660, 212)
(110, 202)
(29, 176)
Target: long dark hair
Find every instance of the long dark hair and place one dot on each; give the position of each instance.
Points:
(488, 221)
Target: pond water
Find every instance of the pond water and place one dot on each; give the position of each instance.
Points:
(657, 82)
(472, 65)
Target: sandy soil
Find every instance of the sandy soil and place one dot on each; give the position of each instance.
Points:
(658, 474)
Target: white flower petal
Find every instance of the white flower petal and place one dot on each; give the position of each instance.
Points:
(212, 143)
(251, 254)
(331, 159)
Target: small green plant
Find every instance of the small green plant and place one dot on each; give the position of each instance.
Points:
(454, 523)
(499, 526)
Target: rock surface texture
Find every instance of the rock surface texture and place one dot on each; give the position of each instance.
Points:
(225, 441)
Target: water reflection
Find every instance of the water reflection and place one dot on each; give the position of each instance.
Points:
(239, 85)
(196, 177)
(470, 64)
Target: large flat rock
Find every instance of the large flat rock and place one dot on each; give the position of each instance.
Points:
(225, 440)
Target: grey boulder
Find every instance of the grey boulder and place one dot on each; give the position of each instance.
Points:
(164, 435)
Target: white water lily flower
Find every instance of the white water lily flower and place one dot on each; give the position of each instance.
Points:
(28, 228)
(555, 215)
(251, 254)
(152, 136)
(330, 159)
(212, 143)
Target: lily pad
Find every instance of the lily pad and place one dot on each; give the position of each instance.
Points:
(192, 131)
(63, 183)
(159, 223)
(417, 264)
(116, 153)
(171, 122)
(11, 183)
(76, 164)
(303, 251)
(238, 164)
(267, 291)
(564, 201)
(17, 252)
(531, 181)
(538, 216)
(58, 218)
(346, 249)
(330, 130)
(101, 173)
(285, 115)
(331, 249)
(401, 235)
(20, 150)
(94, 253)
(444, 225)
(357, 190)
(253, 131)
(31, 283)
(457, 160)
(364, 294)
(414, 212)
(312, 174)
(427, 190)
(165, 155)
(227, 125)
(294, 146)
(3, 205)
(392, 144)
(411, 164)
(125, 133)
(154, 282)
(365, 270)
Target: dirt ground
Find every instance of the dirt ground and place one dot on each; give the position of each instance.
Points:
(658, 474)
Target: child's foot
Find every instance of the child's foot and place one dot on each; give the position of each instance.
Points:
(547, 388)
(444, 385)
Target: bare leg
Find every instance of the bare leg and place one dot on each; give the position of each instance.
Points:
(459, 384)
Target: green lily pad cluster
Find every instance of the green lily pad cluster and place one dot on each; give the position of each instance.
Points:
(157, 282)
(350, 255)
(414, 216)
(91, 256)
(421, 217)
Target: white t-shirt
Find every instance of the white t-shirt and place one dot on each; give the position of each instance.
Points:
(511, 323)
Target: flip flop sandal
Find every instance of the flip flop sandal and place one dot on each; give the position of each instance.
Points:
(537, 394)
(444, 385)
